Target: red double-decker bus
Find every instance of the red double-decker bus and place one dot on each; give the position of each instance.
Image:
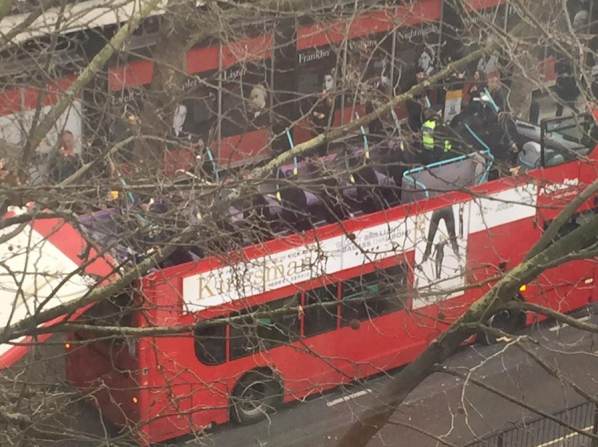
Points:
(303, 313)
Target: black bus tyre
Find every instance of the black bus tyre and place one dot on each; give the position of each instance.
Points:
(508, 321)
(254, 396)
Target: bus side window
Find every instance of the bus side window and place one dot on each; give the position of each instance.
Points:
(243, 335)
(574, 222)
(252, 333)
(374, 294)
(210, 344)
(281, 328)
(115, 311)
(393, 287)
(320, 319)
(356, 293)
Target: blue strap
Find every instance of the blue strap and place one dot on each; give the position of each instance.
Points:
(292, 145)
(475, 135)
(494, 106)
(295, 167)
(365, 139)
(488, 153)
(211, 157)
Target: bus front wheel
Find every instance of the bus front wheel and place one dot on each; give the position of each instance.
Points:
(254, 396)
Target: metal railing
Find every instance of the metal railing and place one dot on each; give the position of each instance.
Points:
(544, 432)
(486, 155)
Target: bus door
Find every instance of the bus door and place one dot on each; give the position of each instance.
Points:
(566, 171)
(166, 395)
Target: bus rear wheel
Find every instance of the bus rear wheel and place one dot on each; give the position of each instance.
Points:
(508, 321)
(254, 396)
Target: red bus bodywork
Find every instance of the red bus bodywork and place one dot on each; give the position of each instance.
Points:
(48, 254)
(159, 387)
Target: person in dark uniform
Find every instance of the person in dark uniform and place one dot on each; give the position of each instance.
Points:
(471, 120)
(501, 132)
(322, 117)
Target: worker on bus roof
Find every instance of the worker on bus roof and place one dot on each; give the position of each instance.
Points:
(435, 143)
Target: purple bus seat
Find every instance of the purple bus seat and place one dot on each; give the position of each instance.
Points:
(288, 170)
(295, 208)
(236, 216)
(388, 190)
(370, 189)
(262, 217)
(350, 192)
(273, 206)
(317, 208)
(312, 199)
(303, 166)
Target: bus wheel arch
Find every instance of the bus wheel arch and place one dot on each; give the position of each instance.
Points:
(508, 320)
(256, 394)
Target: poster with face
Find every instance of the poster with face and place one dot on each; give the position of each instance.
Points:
(440, 254)
(258, 99)
(316, 69)
(180, 116)
(425, 63)
(464, 29)
(329, 82)
(245, 98)
(416, 52)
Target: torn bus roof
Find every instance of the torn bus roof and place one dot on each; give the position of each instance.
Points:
(43, 264)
